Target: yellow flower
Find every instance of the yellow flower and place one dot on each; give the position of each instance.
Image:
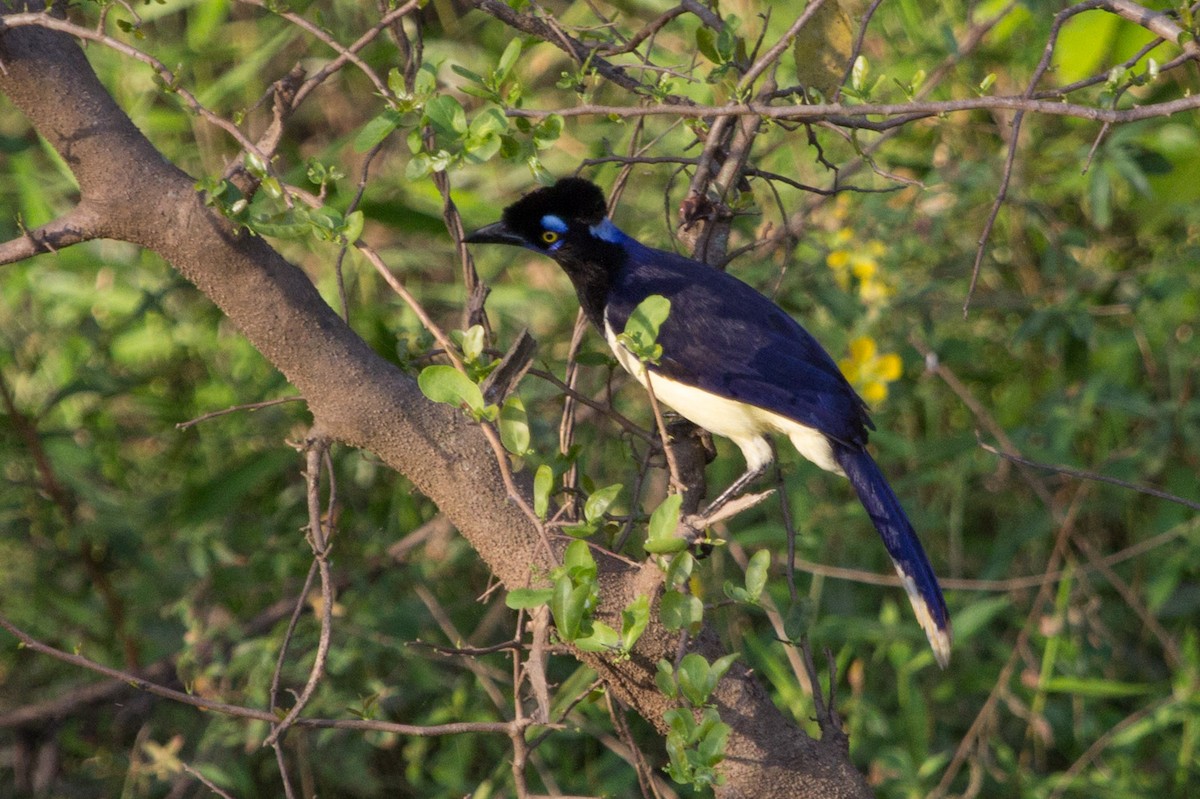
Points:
(838, 259)
(862, 262)
(874, 292)
(864, 267)
(869, 371)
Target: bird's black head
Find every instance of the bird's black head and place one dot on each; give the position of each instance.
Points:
(558, 220)
(568, 222)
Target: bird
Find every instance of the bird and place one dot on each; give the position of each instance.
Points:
(732, 362)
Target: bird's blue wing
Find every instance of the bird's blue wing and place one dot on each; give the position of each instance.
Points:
(724, 337)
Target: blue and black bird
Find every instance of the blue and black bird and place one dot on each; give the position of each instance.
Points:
(732, 362)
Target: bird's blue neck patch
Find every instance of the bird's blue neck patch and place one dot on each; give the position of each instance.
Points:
(605, 230)
(555, 223)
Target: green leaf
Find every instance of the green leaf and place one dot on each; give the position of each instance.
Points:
(352, 227)
(514, 426)
(447, 117)
(756, 574)
(602, 639)
(442, 383)
(706, 43)
(694, 676)
(507, 60)
(395, 82)
(548, 131)
(720, 666)
(578, 557)
(418, 167)
(527, 598)
(680, 570)
(634, 619)
(377, 130)
(798, 619)
(711, 746)
(543, 482)
(736, 592)
(471, 342)
(598, 503)
(1096, 687)
(664, 678)
(461, 71)
(566, 605)
(665, 518)
(641, 329)
(665, 546)
(678, 610)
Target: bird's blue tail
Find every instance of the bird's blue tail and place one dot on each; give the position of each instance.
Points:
(902, 544)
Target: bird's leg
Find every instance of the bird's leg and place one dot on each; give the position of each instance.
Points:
(737, 487)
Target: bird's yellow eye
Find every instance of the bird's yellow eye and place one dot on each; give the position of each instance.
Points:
(549, 236)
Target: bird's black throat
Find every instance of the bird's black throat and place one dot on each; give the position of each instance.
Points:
(593, 266)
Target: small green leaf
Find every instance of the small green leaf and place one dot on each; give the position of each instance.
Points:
(527, 598)
(719, 667)
(602, 639)
(678, 610)
(736, 592)
(634, 619)
(377, 130)
(706, 43)
(582, 530)
(507, 60)
(352, 228)
(664, 678)
(665, 518)
(756, 574)
(797, 620)
(442, 383)
(680, 570)
(543, 481)
(395, 82)
(567, 608)
(641, 329)
(271, 187)
(578, 556)
(514, 426)
(447, 116)
(474, 77)
(472, 343)
(694, 676)
(665, 546)
(548, 131)
(598, 503)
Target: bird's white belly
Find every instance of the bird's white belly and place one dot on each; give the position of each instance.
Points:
(745, 425)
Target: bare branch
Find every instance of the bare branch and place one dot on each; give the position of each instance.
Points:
(78, 225)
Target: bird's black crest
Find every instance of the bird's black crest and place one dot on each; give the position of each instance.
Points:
(570, 199)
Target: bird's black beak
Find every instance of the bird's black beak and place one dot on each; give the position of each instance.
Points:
(496, 233)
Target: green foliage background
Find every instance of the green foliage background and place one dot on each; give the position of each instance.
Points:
(137, 541)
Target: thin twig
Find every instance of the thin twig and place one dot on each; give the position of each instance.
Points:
(1084, 474)
(249, 713)
(253, 406)
(318, 538)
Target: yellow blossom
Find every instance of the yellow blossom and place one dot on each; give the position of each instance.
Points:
(861, 262)
(838, 259)
(869, 371)
(874, 292)
(864, 267)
